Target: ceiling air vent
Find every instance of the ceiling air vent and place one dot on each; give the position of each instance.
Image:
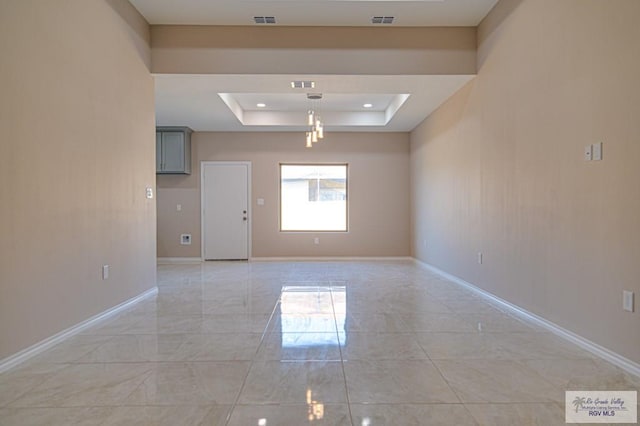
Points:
(264, 19)
(382, 20)
(303, 84)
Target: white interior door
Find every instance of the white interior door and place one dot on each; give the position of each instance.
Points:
(225, 210)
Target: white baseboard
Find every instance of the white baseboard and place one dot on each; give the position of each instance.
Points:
(45, 344)
(191, 260)
(330, 259)
(602, 352)
(178, 260)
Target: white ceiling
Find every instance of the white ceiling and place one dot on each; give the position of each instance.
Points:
(228, 102)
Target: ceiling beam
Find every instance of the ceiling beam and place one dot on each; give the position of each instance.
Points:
(186, 49)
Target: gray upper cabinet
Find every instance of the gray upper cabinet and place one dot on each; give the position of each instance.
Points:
(173, 150)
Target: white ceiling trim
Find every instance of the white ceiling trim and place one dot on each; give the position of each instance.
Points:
(194, 101)
(330, 116)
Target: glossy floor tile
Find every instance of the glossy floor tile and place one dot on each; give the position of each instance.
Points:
(482, 380)
(311, 414)
(166, 416)
(397, 381)
(273, 382)
(305, 343)
(72, 416)
(538, 414)
(411, 414)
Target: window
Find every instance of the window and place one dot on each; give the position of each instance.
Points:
(313, 197)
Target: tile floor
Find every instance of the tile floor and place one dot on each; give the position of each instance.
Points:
(302, 343)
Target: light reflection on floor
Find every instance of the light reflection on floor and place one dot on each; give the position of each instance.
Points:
(313, 316)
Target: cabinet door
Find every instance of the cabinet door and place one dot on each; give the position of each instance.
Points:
(158, 151)
(173, 152)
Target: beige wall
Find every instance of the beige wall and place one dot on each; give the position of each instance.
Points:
(76, 154)
(378, 193)
(499, 168)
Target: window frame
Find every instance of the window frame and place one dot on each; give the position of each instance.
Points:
(340, 231)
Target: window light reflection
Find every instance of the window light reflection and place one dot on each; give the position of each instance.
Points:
(309, 315)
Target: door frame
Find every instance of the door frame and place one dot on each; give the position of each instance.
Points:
(249, 202)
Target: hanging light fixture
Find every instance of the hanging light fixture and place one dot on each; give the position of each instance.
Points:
(319, 129)
(316, 128)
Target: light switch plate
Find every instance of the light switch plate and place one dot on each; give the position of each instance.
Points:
(105, 272)
(596, 151)
(627, 300)
(587, 153)
(149, 192)
(261, 201)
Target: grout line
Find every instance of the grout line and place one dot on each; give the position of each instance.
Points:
(450, 387)
(344, 373)
(446, 381)
(252, 361)
(438, 370)
(146, 377)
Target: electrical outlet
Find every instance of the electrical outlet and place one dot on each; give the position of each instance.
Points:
(105, 272)
(316, 240)
(149, 192)
(179, 207)
(185, 239)
(627, 300)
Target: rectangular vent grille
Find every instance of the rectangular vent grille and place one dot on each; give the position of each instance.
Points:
(264, 19)
(303, 84)
(382, 20)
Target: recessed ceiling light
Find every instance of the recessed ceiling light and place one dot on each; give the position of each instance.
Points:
(368, 105)
(261, 105)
